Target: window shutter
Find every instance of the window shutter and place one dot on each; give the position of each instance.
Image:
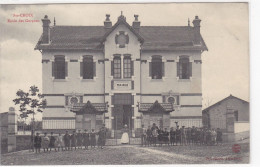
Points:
(190, 69)
(66, 100)
(132, 68)
(133, 98)
(178, 69)
(112, 68)
(112, 84)
(150, 69)
(112, 99)
(53, 69)
(66, 69)
(163, 71)
(94, 69)
(178, 100)
(132, 84)
(81, 69)
(81, 99)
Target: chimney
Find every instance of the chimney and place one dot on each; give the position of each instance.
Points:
(136, 24)
(46, 30)
(107, 22)
(196, 26)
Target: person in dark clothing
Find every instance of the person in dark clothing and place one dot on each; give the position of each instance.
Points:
(193, 135)
(149, 136)
(79, 139)
(188, 135)
(166, 136)
(66, 139)
(37, 143)
(102, 136)
(219, 136)
(52, 142)
(172, 137)
(32, 141)
(93, 138)
(86, 139)
(160, 136)
(73, 140)
(208, 137)
(178, 136)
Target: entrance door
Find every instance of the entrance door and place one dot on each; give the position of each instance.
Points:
(127, 116)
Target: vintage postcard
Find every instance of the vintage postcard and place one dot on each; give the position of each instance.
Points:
(119, 84)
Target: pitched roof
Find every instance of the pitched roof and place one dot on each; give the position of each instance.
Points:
(89, 108)
(149, 107)
(152, 37)
(229, 97)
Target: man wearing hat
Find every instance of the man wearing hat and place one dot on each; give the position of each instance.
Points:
(79, 139)
(86, 141)
(183, 136)
(73, 140)
(178, 135)
(66, 139)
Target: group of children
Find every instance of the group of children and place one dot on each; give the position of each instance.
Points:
(70, 141)
(182, 136)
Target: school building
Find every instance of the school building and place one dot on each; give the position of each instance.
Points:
(120, 74)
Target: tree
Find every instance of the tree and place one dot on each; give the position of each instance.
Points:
(30, 103)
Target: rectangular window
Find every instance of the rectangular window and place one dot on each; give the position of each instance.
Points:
(59, 68)
(184, 68)
(117, 67)
(127, 67)
(236, 115)
(157, 67)
(88, 72)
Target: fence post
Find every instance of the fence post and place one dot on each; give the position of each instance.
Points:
(12, 129)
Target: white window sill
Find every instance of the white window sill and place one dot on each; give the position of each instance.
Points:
(60, 80)
(184, 80)
(88, 80)
(157, 80)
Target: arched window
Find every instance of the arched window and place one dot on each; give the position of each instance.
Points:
(156, 67)
(59, 67)
(88, 67)
(184, 68)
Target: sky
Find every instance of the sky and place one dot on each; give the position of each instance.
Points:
(224, 27)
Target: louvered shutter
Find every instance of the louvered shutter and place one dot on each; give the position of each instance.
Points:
(81, 69)
(53, 69)
(132, 68)
(150, 69)
(112, 68)
(178, 100)
(94, 69)
(190, 69)
(112, 99)
(66, 69)
(133, 98)
(163, 70)
(178, 69)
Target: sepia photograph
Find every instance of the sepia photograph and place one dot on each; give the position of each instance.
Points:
(125, 84)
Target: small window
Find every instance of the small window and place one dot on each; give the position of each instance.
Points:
(184, 68)
(59, 68)
(117, 67)
(157, 67)
(127, 67)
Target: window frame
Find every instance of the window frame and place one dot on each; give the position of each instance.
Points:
(157, 61)
(127, 69)
(117, 67)
(59, 67)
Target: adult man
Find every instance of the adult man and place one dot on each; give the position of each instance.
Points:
(143, 136)
(79, 139)
(86, 141)
(193, 135)
(166, 136)
(102, 136)
(73, 140)
(67, 141)
(37, 143)
(219, 136)
(52, 142)
(149, 135)
(172, 136)
(178, 136)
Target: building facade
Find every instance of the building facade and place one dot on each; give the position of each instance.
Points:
(121, 74)
(230, 115)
